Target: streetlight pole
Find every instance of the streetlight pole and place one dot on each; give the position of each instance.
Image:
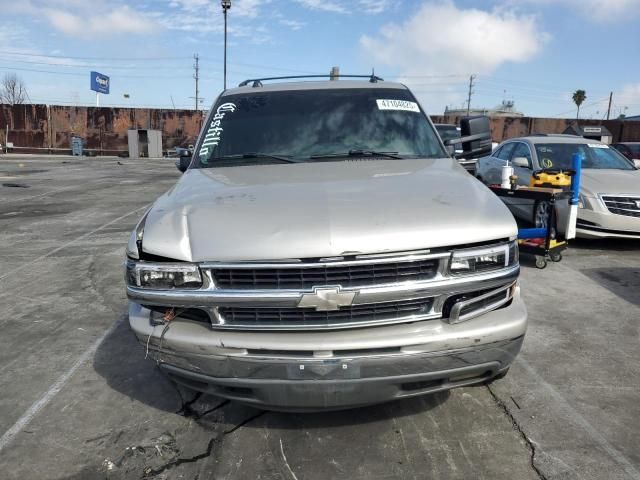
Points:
(226, 5)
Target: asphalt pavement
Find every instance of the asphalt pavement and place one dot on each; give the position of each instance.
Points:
(79, 400)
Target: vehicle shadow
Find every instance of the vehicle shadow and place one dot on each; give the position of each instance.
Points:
(356, 416)
(624, 282)
(615, 244)
(120, 360)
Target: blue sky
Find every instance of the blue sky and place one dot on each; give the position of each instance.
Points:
(534, 52)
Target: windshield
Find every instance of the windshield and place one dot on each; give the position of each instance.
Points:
(448, 132)
(634, 147)
(595, 155)
(328, 124)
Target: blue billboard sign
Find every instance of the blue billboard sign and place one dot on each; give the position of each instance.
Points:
(99, 83)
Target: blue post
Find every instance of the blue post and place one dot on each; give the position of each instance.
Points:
(576, 165)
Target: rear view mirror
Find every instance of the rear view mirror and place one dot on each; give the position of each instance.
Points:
(520, 162)
(183, 162)
(476, 136)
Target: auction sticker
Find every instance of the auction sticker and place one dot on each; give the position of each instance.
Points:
(405, 105)
(597, 145)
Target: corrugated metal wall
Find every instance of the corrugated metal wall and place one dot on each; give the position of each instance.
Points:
(39, 128)
(503, 128)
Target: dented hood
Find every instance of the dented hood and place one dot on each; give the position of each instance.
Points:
(322, 209)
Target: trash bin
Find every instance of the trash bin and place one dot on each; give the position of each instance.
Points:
(76, 146)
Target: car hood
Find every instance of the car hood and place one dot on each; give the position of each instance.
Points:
(322, 209)
(598, 181)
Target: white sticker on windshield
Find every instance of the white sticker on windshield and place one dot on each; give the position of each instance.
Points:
(213, 135)
(388, 104)
(597, 145)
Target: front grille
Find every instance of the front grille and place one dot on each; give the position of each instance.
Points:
(628, 206)
(353, 275)
(356, 315)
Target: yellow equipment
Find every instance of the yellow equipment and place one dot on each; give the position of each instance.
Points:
(548, 178)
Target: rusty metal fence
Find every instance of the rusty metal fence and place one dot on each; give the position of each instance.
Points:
(49, 128)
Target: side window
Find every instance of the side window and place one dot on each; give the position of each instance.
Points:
(522, 150)
(505, 151)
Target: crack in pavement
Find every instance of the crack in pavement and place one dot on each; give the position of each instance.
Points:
(516, 426)
(244, 422)
(188, 411)
(213, 442)
(150, 472)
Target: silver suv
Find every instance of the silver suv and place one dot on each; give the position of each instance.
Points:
(323, 251)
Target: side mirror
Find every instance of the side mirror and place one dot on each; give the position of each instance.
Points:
(183, 162)
(451, 150)
(476, 136)
(636, 162)
(521, 162)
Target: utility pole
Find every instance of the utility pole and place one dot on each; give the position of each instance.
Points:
(471, 79)
(609, 108)
(196, 76)
(226, 5)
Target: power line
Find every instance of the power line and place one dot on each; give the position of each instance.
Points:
(583, 107)
(25, 54)
(85, 65)
(77, 74)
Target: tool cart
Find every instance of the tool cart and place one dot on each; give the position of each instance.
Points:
(548, 243)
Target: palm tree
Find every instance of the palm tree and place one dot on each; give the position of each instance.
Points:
(579, 96)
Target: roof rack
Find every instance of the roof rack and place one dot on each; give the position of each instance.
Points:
(257, 82)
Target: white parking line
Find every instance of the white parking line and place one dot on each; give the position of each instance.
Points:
(51, 192)
(26, 418)
(81, 237)
(617, 456)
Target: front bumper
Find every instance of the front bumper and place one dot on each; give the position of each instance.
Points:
(598, 222)
(338, 369)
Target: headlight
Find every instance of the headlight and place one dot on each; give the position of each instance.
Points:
(134, 245)
(583, 202)
(478, 260)
(163, 276)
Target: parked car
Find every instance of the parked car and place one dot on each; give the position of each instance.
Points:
(452, 132)
(631, 150)
(322, 251)
(610, 188)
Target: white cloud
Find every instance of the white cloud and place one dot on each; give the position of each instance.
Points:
(628, 97)
(601, 11)
(374, 6)
(239, 8)
(118, 20)
(347, 6)
(442, 39)
(292, 24)
(82, 18)
(323, 5)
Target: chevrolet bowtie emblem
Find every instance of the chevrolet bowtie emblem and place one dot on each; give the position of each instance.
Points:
(326, 298)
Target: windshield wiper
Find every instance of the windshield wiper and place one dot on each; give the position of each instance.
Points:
(358, 153)
(257, 155)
